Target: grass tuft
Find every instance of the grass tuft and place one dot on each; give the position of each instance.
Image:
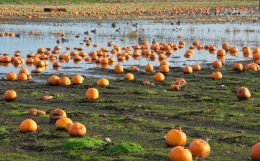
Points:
(125, 148)
(82, 143)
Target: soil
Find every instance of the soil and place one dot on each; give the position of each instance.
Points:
(128, 111)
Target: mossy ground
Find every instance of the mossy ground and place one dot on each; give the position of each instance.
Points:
(130, 112)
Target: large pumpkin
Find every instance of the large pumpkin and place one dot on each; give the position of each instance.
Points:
(77, 79)
(175, 138)
(11, 76)
(57, 114)
(149, 68)
(243, 93)
(158, 77)
(255, 152)
(179, 153)
(118, 69)
(77, 130)
(199, 148)
(64, 81)
(62, 122)
(28, 125)
(54, 80)
(129, 76)
(103, 82)
(92, 94)
(10, 95)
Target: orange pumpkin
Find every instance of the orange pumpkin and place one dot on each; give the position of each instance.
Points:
(77, 79)
(24, 70)
(148, 68)
(164, 68)
(129, 76)
(179, 153)
(217, 64)
(175, 138)
(196, 67)
(54, 80)
(199, 148)
(92, 94)
(57, 114)
(118, 69)
(62, 122)
(103, 82)
(216, 75)
(28, 125)
(68, 126)
(180, 81)
(187, 70)
(255, 155)
(238, 66)
(158, 77)
(64, 81)
(133, 68)
(243, 93)
(22, 77)
(10, 95)
(175, 87)
(11, 76)
(77, 130)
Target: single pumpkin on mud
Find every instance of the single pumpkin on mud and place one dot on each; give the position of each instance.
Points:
(77, 130)
(92, 94)
(28, 125)
(57, 114)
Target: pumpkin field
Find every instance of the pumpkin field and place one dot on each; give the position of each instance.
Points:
(130, 81)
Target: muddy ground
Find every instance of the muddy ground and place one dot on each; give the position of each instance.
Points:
(128, 111)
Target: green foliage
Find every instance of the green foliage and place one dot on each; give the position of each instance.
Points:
(126, 147)
(3, 130)
(82, 143)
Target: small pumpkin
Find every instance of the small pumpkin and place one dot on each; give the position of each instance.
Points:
(54, 80)
(64, 81)
(217, 64)
(133, 68)
(216, 75)
(164, 68)
(61, 123)
(92, 94)
(179, 153)
(238, 66)
(175, 87)
(24, 70)
(158, 77)
(57, 114)
(196, 67)
(199, 148)
(187, 70)
(180, 81)
(10, 95)
(103, 82)
(77, 79)
(254, 153)
(148, 68)
(77, 130)
(22, 77)
(28, 125)
(11, 76)
(176, 137)
(243, 93)
(129, 76)
(118, 69)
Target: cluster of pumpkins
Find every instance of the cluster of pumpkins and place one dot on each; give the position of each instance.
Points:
(198, 148)
(58, 116)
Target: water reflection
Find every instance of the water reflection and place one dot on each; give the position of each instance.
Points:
(90, 37)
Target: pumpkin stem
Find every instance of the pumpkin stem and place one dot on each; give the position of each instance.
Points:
(179, 128)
